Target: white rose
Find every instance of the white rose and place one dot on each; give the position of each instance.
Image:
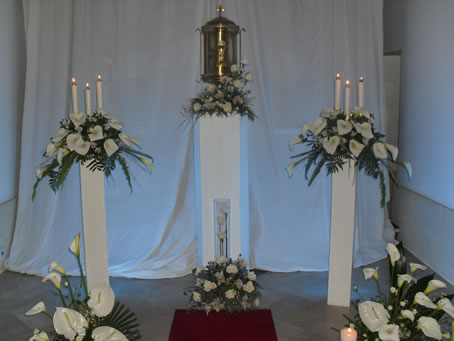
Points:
(234, 68)
(249, 287)
(230, 294)
(197, 106)
(227, 106)
(232, 269)
(248, 76)
(237, 83)
(251, 276)
(196, 296)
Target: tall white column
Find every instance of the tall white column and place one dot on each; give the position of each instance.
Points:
(343, 197)
(94, 220)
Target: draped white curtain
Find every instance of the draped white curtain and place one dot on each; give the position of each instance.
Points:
(148, 55)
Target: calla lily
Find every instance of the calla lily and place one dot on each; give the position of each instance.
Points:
(72, 140)
(380, 151)
(51, 149)
(401, 279)
(60, 135)
(373, 315)
(110, 147)
(116, 124)
(40, 171)
(370, 272)
(433, 285)
(107, 334)
(331, 144)
(69, 323)
(306, 127)
(78, 118)
(62, 152)
(365, 129)
(39, 336)
(294, 141)
(408, 315)
(124, 138)
(82, 147)
(134, 140)
(290, 169)
(54, 278)
(394, 150)
(355, 147)
(416, 266)
(75, 245)
(37, 308)
(389, 332)
(101, 300)
(55, 266)
(147, 164)
(344, 127)
(446, 305)
(430, 327)
(393, 252)
(96, 133)
(425, 301)
(408, 168)
(318, 126)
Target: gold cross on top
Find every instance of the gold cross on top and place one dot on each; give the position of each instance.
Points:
(220, 9)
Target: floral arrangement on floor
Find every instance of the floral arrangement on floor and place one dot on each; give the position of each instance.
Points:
(334, 140)
(407, 310)
(96, 317)
(224, 285)
(228, 97)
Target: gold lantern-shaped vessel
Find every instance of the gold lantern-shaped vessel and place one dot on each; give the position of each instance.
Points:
(221, 48)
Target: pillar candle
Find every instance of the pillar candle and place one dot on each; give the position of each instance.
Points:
(361, 92)
(337, 93)
(74, 96)
(347, 102)
(348, 334)
(88, 100)
(99, 93)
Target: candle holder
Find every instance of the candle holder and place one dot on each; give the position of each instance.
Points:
(222, 227)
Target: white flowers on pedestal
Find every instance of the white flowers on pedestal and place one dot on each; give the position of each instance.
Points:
(373, 315)
(430, 327)
(69, 323)
(101, 300)
(107, 334)
(318, 125)
(389, 332)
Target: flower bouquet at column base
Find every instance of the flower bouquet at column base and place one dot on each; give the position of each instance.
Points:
(86, 316)
(224, 285)
(334, 139)
(407, 310)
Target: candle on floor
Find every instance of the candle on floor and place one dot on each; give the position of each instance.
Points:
(347, 101)
(88, 100)
(99, 93)
(361, 92)
(348, 334)
(337, 93)
(74, 96)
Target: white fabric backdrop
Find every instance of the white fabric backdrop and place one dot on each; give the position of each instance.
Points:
(148, 54)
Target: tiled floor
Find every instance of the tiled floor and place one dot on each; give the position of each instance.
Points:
(297, 301)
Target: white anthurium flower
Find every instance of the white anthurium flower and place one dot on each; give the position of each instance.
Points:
(393, 150)
(72, 139)
(425, 301)
(78, 118)
(227, 106)
(379, 151)
(75, 245)
(331, 144)
(373, 315)
(344, 127)
(401, 279)
(105, 333)
(416, 266)
(430, 327)
(355, 147)
(110, 147)
(234, 68)
(116, 124)
(54, 278)
(125, 139)
(39, 335)
(318, 125)
(433, 285)
(393, 253)
(57, 267)
(37, 308)
(237, 83)
(408, 315)
(96, 133)
(290, 169)
(370, 272)
(329, 112)
(40, 171)
(389, 332)
(51, 149)
(101, 300)
(306, 127)
(69, 323)
(59, 136)
(446, 305)
(408, 168)
(365, 129)
(82, 147)
(294, 141)
(62, 152)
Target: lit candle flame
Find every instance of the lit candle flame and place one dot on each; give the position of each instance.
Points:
(73, 81)
(338, 76)
(347, 84)
(361, 79)
(99, 78)
(88, 87)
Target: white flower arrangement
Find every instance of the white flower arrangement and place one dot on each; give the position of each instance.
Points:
(228, 97)
(404, 311)
(224, 285)
(96, 317)
(94, 139)
(334, 140)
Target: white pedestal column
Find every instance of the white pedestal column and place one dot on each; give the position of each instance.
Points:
(221, 171)
(94, 220)
(342, 233)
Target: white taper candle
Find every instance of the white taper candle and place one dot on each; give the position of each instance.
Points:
(74, 96)
(99, 93)
(347, 98)
(361, 92)
(337, 93)
(88, 100)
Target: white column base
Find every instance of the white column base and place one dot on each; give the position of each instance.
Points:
(94, 220)
(343, 197)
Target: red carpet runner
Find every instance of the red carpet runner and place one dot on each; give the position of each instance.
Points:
(198, 326)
